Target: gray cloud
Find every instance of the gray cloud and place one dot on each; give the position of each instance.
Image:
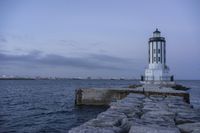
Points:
(88, 62)
(68, 42)
(2, 39)
(107, 58)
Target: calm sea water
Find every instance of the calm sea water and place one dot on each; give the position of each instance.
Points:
(48, 105)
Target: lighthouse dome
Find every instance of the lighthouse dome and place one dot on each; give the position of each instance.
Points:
(156, 33)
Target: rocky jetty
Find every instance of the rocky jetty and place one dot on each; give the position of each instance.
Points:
(139, 113)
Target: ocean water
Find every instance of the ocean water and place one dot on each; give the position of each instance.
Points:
(46, 105)
(34, 106)
(194, 91)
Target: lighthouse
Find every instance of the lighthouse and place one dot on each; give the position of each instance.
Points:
(157, 71)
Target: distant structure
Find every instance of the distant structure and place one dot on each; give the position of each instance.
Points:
(157, 71)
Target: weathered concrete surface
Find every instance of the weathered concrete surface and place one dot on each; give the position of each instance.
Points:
(139, 113)
(104, 96)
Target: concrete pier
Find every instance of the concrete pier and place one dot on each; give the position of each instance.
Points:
(142, 113)
(104, 96)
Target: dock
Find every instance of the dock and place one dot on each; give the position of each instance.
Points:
(146, 109)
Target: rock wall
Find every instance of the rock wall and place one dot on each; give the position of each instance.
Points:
(139, 113)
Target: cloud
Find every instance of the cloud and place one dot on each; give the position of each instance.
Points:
(35, 58)
(2, 39)
(108, 58)
(68, 42)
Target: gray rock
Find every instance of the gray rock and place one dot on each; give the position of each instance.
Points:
(129, 110)
(196, 131)
(111, 113)
(160, 113)
(90, 129)
(126, 103)
(138, 113)
(187, 117)
(108, 122)
(133, 95)
(155, 106)
(161, 118)
(157, 98)
(190, 127)
(125, 125)
(152, 129)
(147, 100)
(161, 121)
(107, 118)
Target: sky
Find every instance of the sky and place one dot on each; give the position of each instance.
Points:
(97, 38)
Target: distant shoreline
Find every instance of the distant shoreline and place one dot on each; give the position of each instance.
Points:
(83, 79)
(60, 79)
(17, 79)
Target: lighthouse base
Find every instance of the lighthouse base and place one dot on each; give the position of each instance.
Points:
(159, 76)
(163, 83)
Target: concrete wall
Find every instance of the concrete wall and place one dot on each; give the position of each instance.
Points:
(89, 96)
(104, 96)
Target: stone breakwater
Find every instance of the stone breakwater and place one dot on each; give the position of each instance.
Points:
(139, 113)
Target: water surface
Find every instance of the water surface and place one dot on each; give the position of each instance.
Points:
(48, 105)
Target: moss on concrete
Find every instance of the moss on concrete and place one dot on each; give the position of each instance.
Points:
(180, 87)
(134, 86)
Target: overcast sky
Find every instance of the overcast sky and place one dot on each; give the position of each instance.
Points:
(97, 38)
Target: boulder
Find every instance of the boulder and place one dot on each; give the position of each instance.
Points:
(190, 127)
(152, 129)
(187, 117)
(90, 129)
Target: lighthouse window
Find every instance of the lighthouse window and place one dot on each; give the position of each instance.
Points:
(158, 50)
(158, 58)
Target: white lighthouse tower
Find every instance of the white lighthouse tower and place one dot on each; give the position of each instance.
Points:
(157, 71)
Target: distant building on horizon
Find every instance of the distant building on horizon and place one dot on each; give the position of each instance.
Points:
(157, 71)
